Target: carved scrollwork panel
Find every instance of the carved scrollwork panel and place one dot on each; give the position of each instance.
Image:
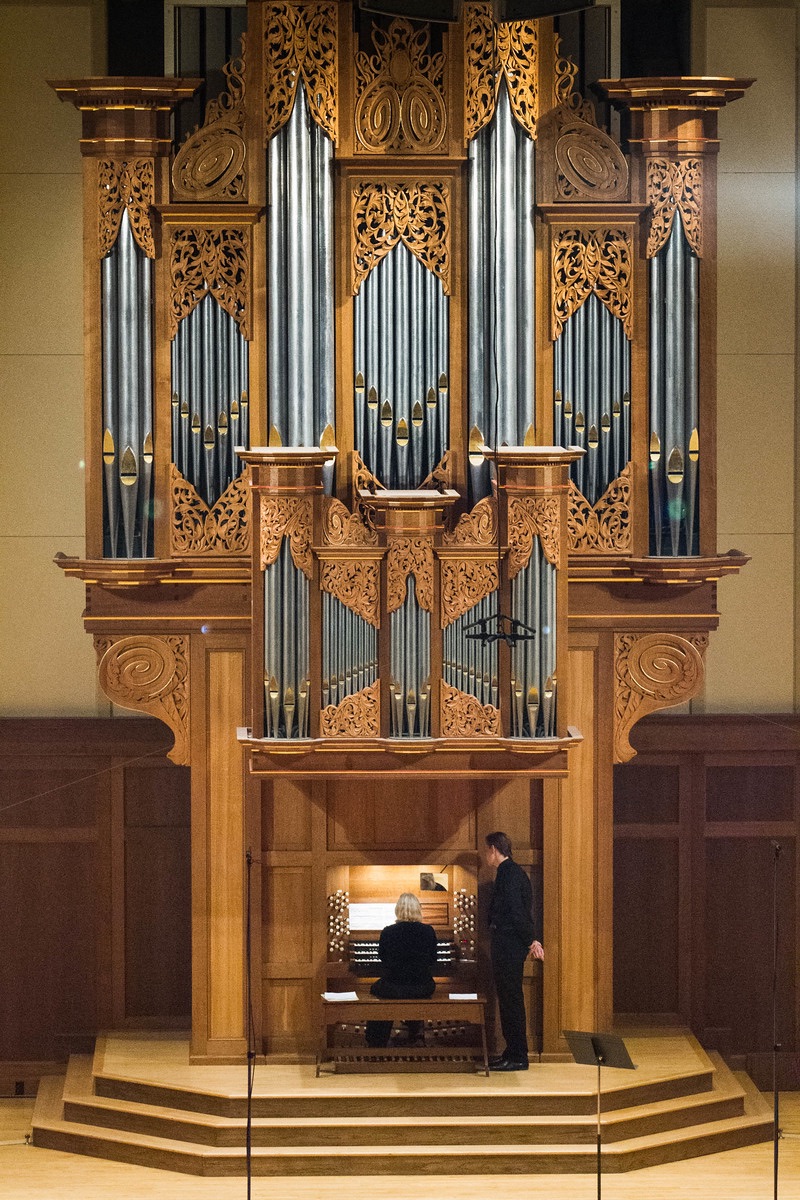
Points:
(477, 527)
(529, 517)
(300, 42)
(356, 583)
(400, 106)
(210, 165)
(357, 716)
(150, 675)
(417, 214)
(494, 53)
(340, 527)
(589, 164)
(675, 187)
(125, 186)
(605, 528)
(197, 529)
(410, 556)
(652, 671)
(463, 716)
(215, 261)
(465, 582)
(592, 260)
(286, 516)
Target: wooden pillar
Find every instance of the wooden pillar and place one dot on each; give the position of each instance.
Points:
(577, 857)
(219, 844)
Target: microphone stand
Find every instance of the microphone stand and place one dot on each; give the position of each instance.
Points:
(251, 1050)
(776, 1133)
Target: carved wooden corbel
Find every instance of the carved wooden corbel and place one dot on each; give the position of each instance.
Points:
(652, 671)
(150, 675)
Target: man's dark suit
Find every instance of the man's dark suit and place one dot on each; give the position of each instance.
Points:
(511, 925)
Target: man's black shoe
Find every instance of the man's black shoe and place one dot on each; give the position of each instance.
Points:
(494, 1059)
(509, 1064)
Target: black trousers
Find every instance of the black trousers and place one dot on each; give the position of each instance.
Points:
(379, 1032)
(508, 961)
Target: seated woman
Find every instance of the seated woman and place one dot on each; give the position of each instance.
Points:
(407, 951)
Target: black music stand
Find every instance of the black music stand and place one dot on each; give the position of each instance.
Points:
(598, 1050)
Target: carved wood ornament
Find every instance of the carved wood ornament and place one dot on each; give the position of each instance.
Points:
(468, 580)
(125, 186)
(418, 214)
(340, 527)
(410, 556)
(652, 671)
(150, 675)
(463, 716)
(357, 716)
(529, 517)
(300, 42)
(210, 165)
(497, 53)
(400, 106)
(214, 261)
(675, 187)
(605, 528)
(355, 582)
(197, 529)
(592, 260)
(286, 516)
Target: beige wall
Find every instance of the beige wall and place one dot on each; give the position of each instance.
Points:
(48, 666)
(752, 660)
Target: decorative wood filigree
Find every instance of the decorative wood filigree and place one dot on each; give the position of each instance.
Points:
(340, 527)
(286, 516)
(150, 675)
(606, 528)
(652, 671)
(300, 42)
(400, 107)
(356, 583)
(566, 94)
(465, 582)
(463, 716)
(442, 474)
(214, 261)
(357, 716)
(410, 556)
(125, 186)
(675, 187)
(418, 214)
(592, 260)
(197, 529)
(586, 163)
(477, 527)
(210, 163)
(493, 53)
(529, 517)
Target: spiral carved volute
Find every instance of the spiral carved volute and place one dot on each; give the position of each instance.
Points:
(150, 675)
(652, 671)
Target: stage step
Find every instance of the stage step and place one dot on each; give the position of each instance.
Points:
(70, 1116)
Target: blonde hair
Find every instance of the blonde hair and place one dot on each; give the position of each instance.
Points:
(408, 908)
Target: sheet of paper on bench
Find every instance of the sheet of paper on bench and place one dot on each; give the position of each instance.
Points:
(463, 996)
(340, 995)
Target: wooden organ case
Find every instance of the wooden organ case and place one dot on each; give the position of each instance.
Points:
(400, 411)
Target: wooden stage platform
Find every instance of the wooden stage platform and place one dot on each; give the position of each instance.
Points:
(139, 1100)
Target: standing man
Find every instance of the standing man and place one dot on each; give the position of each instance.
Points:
(512, 940)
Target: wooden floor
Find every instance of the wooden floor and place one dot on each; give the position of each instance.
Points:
(27, 1173)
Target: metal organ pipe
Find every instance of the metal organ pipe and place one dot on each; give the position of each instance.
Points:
(126, 304)
(501, 286)
(300, 339)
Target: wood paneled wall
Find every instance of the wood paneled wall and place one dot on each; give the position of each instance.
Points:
(94, 883)
(696, 818)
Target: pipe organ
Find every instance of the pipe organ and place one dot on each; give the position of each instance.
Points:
(399, 385)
